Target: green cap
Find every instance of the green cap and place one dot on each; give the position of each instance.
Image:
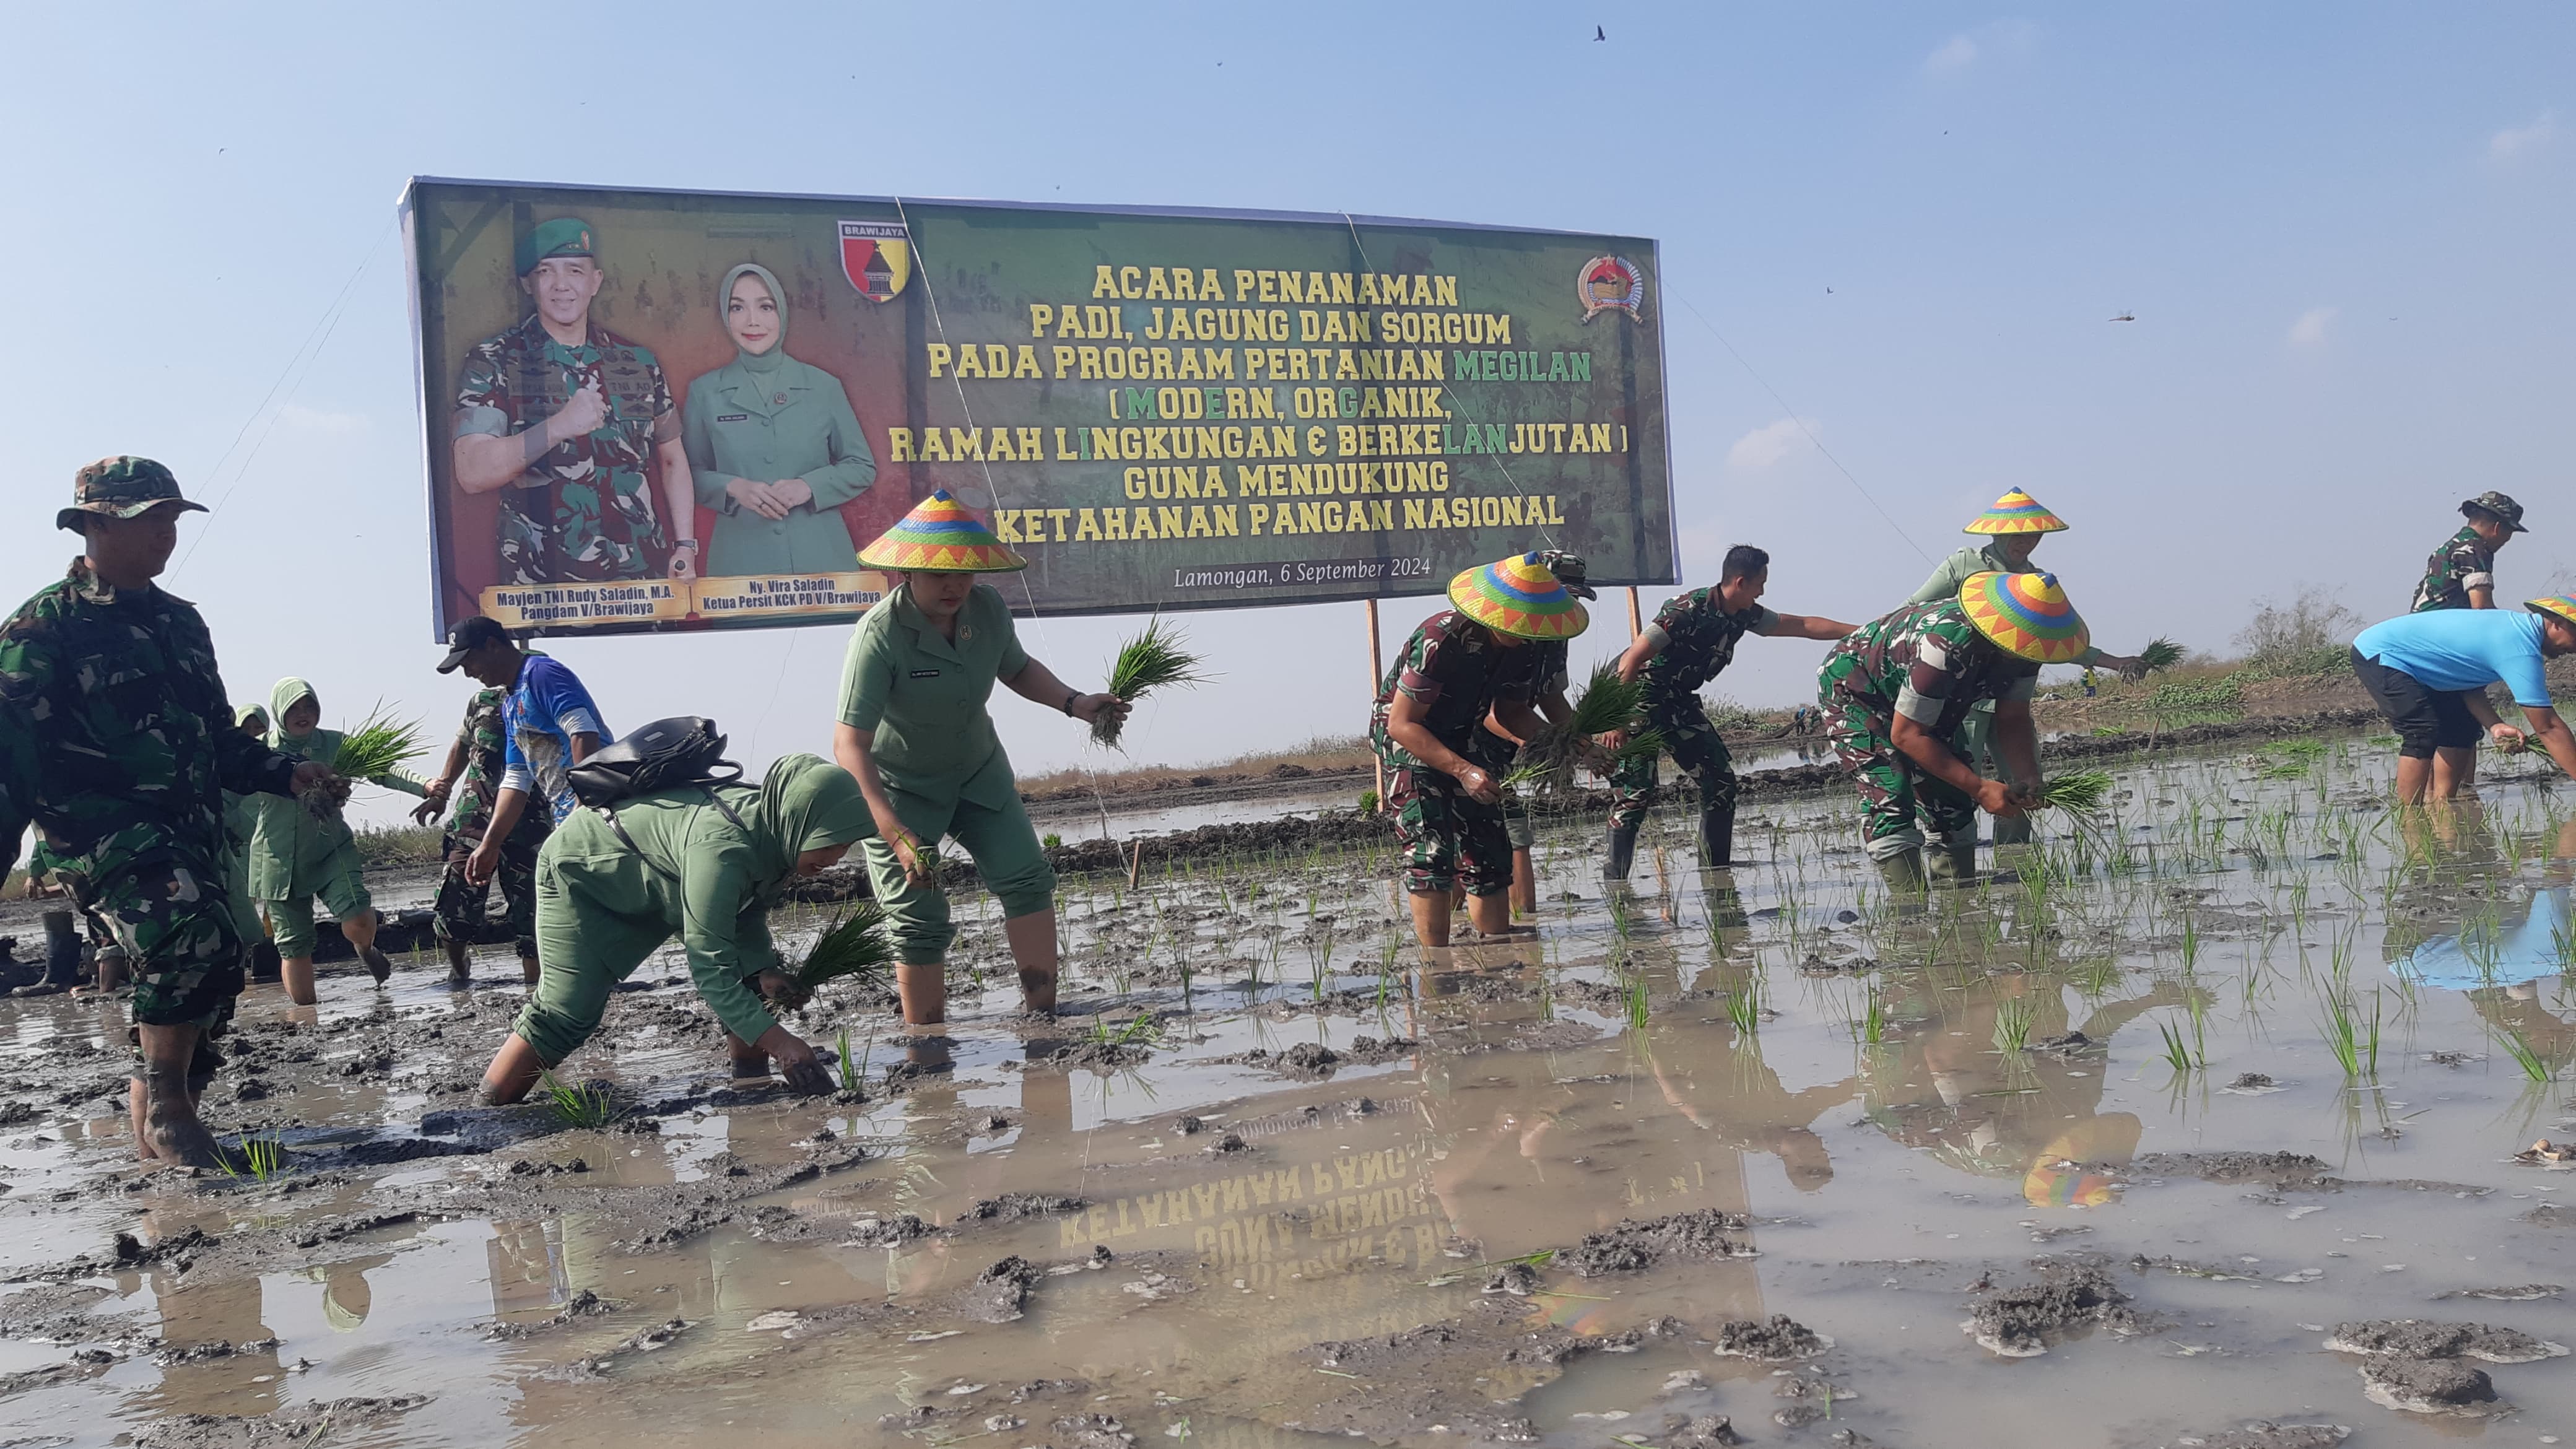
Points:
(565, 236)
(121, 487)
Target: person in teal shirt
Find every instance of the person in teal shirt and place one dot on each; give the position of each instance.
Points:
(915, 731)
(298, 855)
(773, 444)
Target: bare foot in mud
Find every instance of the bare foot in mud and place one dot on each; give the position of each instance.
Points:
(183, 1141)
(377, 966)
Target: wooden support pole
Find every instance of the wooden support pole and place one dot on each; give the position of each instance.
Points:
(1636, 619)
(1377, 672)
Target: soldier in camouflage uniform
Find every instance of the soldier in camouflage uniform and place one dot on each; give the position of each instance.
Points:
(1535, 677)
(1691, 642)
(472, 776)
(1893, 694)
(567, 418)
(1431, 710)
(2461, 573)
(116, 742)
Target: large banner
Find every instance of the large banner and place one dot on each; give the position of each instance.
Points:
(669, 410)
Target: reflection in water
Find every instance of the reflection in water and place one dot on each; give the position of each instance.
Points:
(2492, 950)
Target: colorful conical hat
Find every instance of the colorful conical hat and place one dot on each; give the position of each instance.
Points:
(2027, 614)
(2562, 606)
(940, 536)
(1518, 596)
(2016, 512)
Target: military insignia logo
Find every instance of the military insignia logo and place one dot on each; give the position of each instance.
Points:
(876, 256)
(1604, 284)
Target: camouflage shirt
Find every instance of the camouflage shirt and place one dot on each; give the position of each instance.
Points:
(1453, 669)
(485, 745)
(1695, 640)
(584, 512)
(1925, 662)
(2462, 564)
(115, 738)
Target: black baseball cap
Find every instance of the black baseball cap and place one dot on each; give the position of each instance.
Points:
(468, 636)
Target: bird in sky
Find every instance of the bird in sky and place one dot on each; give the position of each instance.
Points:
(2126, 317)
(1597, 33)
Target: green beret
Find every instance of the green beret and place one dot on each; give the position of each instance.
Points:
(565, 236)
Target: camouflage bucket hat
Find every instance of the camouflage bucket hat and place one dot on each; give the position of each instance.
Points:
(2499, 504)
(121, 487)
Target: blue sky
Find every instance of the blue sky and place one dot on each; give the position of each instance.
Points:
(2343, 229)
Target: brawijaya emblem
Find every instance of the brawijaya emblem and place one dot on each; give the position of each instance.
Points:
(876, 256)
(1607, 284)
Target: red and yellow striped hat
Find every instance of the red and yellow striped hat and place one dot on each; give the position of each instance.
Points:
(2027, 614)
(2016, 512)
(1519, 597)
(940, 536)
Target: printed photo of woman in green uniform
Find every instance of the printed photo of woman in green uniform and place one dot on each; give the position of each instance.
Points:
(915, 731)
(296, 855)
(701, 863)
(773, 444)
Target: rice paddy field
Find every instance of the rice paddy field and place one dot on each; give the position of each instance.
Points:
(2208, 1121)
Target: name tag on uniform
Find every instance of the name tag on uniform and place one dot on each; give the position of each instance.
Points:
(733, 417)
(925, 674)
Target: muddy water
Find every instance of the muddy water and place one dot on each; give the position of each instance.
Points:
(1827, 1085)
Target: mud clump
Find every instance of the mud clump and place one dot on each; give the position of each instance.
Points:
(2430, 1386)
(2016, 1322)
(887, 1232)
(1633, 1246)
(1517, 1279)
(2265, 1434)
(2281, 1169)
(2249, 1081)
(1091, 1431)
(1229, 1143)
(1368, 1051)
(1013, 1206)
(2519, 1293)
(1781, 1340)
(2425, 1338)
(179, 1250)
(1001, 1292)
(296, 1424)
(1708, 1431)
(2550, 1215)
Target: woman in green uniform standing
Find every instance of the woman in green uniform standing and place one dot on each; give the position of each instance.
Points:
(773, 444)
(296, 856)
(701, 863)
(915, 732)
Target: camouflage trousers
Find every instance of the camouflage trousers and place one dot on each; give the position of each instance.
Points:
(1494, 755)
(172, 917)
(461, 906)
(1893, 789)
(1697, 752)
(1447, 836)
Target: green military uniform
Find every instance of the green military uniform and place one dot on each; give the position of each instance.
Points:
(1928, 663)
(458, 910)
(1526, 675)
(921, 698)
(296, 856)
(706, 872)
(584, 511)
(117, 744)
(1452, 667)
(768, 417)
(241, 824)
(1695, 639)
(1976, 733)
(2464, 562)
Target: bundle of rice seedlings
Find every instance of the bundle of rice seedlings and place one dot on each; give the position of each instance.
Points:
(1607, 703)
(2160, 653)
(378, 746)
(854, 945)
(2082, 793)
(1152, 660)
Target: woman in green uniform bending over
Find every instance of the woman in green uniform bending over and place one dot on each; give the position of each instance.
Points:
(297, 855)
(705, 864)
(772, 444)
(915, 732)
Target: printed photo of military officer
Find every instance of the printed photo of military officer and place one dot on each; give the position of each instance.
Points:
(568, 421)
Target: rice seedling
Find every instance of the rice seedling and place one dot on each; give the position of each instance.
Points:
(1638, 1005)
(2176, 1055)
(262, 1158)
(587, 1105)
(2160, 653)
(1155, 659)
(2525, 1056)
(378, 746)
(1744, 1008)
(2013, 1018)
(853, 1077)
(2353, 1041)
(853, 946)
(1873, 1022)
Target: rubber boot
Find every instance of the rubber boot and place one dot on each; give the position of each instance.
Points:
(1951, 862)
(1903, 873)
(265, 965)
(2012, 830)
(62, 957)
(1717, 836)
(1623, 853)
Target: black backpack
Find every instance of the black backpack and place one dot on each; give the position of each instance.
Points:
(666, 753)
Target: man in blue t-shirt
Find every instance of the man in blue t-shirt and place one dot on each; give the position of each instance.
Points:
(2429, 673)
(548, 725)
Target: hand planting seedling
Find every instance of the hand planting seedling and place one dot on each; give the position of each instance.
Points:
(854, 945)
(1607, 703)
(377, 747)
(1152, 660)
